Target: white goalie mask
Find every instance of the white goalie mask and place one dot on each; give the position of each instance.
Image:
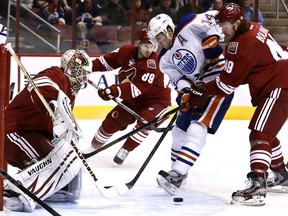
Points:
(159, 24)
(77, 66)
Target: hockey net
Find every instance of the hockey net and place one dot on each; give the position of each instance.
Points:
(4, 100)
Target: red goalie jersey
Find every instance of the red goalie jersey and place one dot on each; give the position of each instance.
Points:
(140, 80)
(24, 112)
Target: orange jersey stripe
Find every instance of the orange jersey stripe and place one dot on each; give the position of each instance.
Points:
(214, 107)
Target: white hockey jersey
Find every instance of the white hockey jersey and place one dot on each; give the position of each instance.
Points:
(185, 59)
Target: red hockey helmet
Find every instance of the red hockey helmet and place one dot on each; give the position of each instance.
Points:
(229, 12)
(143, 37)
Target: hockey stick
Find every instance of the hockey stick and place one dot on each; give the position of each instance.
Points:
(107, 193)
(129, 110)
(16, 58)
(88, 155)
(28, 193)
(167, 114)
(125, 187)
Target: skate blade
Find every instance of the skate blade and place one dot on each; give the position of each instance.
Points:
(278, 189)
(256, 200)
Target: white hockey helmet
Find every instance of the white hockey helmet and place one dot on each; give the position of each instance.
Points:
(159, 24)
(77, 66)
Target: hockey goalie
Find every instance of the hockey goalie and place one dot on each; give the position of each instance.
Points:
(39, 146)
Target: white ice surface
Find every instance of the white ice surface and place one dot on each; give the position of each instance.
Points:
(220, 170)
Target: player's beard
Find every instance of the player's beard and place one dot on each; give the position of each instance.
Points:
(143, 54)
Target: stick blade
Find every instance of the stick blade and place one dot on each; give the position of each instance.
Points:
(113, 191)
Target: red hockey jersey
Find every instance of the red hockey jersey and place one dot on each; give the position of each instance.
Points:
(140, 80)
(256, 59)
(27, 113)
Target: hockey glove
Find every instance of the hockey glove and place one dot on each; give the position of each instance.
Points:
(211, 48)
(183, 97)
(108, 93)
(60, 129)
(198, 94)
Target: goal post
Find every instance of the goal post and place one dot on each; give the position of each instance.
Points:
(5, 60)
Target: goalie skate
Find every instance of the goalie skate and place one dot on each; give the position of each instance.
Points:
(170, 181)
(253, 195)
(12, 202)
(277, 182)
(17, 202)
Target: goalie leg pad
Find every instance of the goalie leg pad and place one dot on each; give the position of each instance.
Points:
(178, 136)
(70, 192)
(50, 174)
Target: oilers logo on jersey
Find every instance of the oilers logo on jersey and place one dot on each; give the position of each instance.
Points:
(184, 60)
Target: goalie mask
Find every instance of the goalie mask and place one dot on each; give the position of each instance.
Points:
(77, 66)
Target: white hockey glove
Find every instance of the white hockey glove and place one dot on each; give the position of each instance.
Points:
(65, 120)
(60, 129)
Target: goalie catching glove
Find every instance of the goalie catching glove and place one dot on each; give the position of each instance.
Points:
(60, 129)
(195, 98)
(64, 121)
(106, 94)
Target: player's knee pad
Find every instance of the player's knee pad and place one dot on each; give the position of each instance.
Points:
(196, 135)
(51, 173)
(117, 120)
(260, 151)
(178, 136)
(257, 137)
(140, 136)
(195, 138)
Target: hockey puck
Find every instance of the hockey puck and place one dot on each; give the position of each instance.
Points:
(178, 199)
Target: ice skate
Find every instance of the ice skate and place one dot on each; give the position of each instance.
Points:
(93, 147)
(12, 202)
(170, 181)
(120, 156)
(254, 194)
(277, 182)
(17, 202)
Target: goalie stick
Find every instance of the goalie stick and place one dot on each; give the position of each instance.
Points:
(105, 192)
(28, 193)
(130, 110)
(125, 187)
(167, 114)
